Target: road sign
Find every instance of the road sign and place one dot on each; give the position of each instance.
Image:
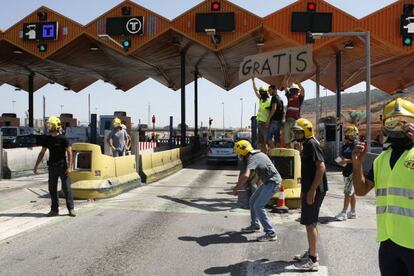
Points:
(40, 31)
(407, 24)
(125, 25)
(296, 60)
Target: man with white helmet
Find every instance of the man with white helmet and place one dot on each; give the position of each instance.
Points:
(295, 95)
(392, 176)
(260, 163)
(118, 138)
(58, 165)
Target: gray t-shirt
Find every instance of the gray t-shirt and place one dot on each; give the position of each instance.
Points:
(263, 166)
(118, 138)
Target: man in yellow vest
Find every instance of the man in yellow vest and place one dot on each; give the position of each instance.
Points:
(392, 176)
(262, 115)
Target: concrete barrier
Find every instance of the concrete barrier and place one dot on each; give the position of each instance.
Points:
(21, 161)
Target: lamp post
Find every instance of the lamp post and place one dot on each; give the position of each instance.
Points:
(61, 108)
(13, 102)
(367, 73)
(224, 131)
(241, 114)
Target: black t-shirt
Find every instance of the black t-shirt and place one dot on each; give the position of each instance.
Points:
(395, 155)
(346, 152)
(57, 146)
(311, 153)
(278, 116)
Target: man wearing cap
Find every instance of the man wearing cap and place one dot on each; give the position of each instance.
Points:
(262, 114)
(260, 163)
(295, 95)
(118, 138)
(392, 177)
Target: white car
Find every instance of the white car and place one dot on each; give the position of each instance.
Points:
(221, 150)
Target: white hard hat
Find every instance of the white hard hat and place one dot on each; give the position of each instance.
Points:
(123, 126)
(294, 86)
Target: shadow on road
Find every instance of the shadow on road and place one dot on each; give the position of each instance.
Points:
(258, 267)
(326, 220)
(227, 237)
(203, 165)
(211, 205)
(27, 215)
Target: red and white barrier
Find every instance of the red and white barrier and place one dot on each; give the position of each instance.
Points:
(146, 146)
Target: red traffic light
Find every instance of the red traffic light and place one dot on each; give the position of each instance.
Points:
(215, 6)
(311, 6)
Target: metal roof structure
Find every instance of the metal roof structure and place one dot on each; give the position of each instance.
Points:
(83, 54)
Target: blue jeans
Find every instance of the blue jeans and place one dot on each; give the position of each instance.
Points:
(258, 202)
(274, 131)
(116, 153)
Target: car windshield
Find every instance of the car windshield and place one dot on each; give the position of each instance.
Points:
(9, 131)
(222, 144)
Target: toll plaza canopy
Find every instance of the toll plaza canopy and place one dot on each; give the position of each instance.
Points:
(130, 43)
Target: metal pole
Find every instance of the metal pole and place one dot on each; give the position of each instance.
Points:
(224, 131)
(135, 148)
(31, 92)
(170, 141)
(318, 100)
(89, 108)
(196, 104)
(338, 101)
(241, 115)
(44, 115)
(368, 88)
(183, 129)
(1, 155)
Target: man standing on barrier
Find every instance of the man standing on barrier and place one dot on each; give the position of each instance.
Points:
(261, 164)
(392, 176)
(262, 115)
(118, 139)
(59, 165)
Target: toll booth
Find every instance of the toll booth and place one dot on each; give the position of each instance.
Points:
(288, 164)
(9, 119)
(67, 120)
(327, 138)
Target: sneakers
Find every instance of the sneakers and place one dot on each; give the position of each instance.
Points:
(251, 229)
(341, 216)
(308, 265)
(304, 256)
(72, 213)
(267, 237)
(351, 215)
(52, 214)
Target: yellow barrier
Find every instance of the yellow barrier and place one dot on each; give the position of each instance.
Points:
(100, 176)
(157, 165)
(288, 164)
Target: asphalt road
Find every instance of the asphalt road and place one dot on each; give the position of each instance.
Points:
(186, 224)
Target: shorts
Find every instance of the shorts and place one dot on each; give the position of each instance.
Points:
(349, 186)
(274, 131)
(310, 213)
(287, 130)
(262, 133)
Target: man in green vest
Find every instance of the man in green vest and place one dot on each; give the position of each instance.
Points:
(262, 115)
(392, 176)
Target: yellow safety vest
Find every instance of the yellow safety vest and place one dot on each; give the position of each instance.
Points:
(264, 110)
(395, 198)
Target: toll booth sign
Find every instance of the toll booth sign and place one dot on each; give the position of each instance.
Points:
(40, 31)
(407, 25)
(125, 25)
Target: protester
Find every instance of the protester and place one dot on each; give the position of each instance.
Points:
(118, 139)
(274, 121)
(262, 114)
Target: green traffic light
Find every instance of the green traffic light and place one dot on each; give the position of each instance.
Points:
(126, 43)
(42, 47)
(407, 41)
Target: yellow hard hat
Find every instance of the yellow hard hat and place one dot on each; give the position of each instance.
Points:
(351, 132)
(304, 125)
(264, 88)
(54, 122)
(395, 115)
(116, 122)
(243, 147)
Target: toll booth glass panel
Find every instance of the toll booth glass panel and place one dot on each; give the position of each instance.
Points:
(285, 166)
(83, 160)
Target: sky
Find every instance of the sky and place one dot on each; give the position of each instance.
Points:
(214, 102)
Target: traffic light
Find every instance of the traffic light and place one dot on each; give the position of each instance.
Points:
(215, 6)
(311, 7)
(126, 43)
(42, 47)
(407, 41)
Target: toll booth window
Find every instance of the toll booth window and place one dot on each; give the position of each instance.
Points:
(83, 160)
(107, 125)
(285, 166)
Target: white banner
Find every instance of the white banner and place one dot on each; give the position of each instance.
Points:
(296, 60)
